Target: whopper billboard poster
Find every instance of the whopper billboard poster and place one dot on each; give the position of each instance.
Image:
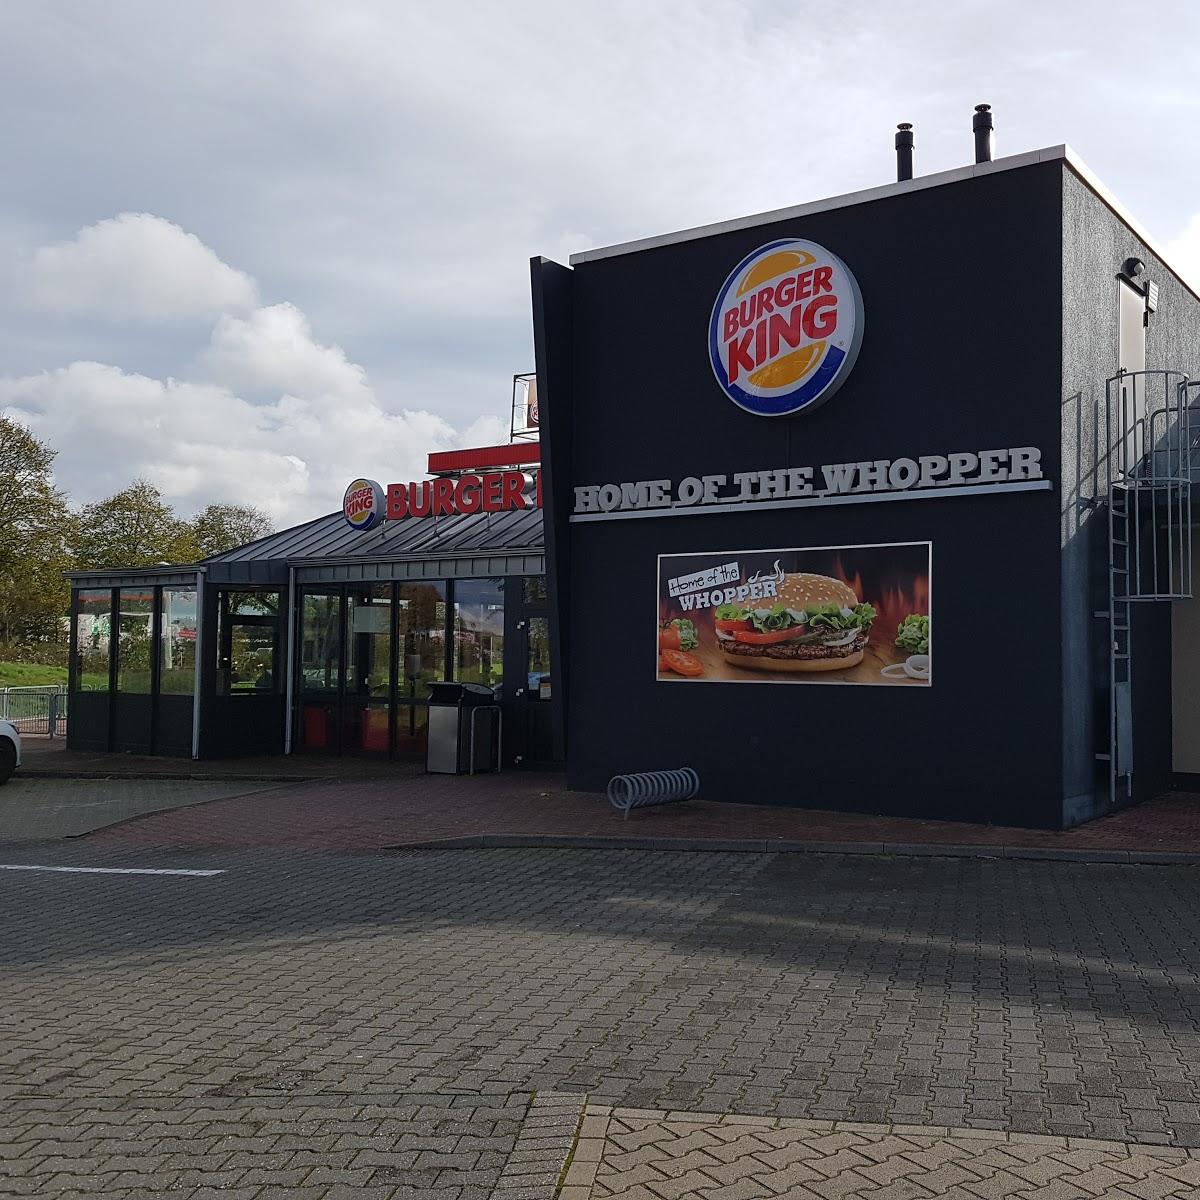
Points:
(816, 614)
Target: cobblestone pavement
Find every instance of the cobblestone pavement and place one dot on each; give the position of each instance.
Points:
(635, 1154)
(316, 1025)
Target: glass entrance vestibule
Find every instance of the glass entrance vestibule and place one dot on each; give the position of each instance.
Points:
(132, 668)
(365, 654)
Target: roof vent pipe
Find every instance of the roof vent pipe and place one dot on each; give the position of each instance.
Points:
(904, 152)
(982, 124)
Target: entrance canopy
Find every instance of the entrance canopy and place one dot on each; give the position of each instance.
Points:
(328, 550)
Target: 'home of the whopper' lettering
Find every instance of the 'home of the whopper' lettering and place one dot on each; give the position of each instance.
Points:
(959, 473)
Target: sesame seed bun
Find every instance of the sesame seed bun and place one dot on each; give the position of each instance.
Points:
(801, 591)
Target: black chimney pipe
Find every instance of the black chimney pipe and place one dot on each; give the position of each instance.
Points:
(904, 152)
(982, 124)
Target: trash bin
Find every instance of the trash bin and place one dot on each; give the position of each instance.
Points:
(464, 729)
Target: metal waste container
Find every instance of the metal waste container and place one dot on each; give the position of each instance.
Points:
(464, 729)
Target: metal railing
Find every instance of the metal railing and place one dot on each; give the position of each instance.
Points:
(1146, 482)
(35, 709)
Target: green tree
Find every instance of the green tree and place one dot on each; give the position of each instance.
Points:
(35, 531)
(221, 527)
(135, 527)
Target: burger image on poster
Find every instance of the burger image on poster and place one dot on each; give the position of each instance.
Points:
(785, 328)
(816, 623)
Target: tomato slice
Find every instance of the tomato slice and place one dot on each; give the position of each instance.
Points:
(728, 626)
(681, 663)
(770, 637)
(668, 638)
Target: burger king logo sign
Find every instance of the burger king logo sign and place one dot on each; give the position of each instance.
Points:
(785, 329)
(363, 504)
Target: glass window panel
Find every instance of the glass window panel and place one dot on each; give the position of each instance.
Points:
(539, 657)
(320, 641)
(251, 604)
(369, 640)
(248, 643)
(422, 646)
(318, 726)
(252, 655)
(177, 642)
(364, 728)
(412, 728)
(135, 622)
(93, 639)
(479, 631)
(536, 593)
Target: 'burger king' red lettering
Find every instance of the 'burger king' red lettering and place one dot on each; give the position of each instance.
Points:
(359, 501)
(497, 491)
(800, 308)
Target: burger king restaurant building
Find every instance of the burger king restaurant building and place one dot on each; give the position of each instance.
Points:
(880, 503)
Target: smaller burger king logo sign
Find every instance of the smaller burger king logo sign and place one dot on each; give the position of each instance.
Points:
(362, 505)
(785, 329)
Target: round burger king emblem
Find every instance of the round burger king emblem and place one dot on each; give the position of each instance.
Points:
(362, 505)
(785, 329)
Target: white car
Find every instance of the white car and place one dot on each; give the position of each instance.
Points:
(10, 750)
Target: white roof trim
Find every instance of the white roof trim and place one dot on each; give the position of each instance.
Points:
(1091, 181)
(1012, 163)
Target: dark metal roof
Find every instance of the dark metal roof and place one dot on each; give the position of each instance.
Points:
(428, 547)
(414, 537)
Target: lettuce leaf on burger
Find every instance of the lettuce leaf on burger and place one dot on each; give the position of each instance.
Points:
(814, 623)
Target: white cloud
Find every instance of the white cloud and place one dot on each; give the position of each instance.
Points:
(136, 266)
(1183, 252)
(272, 350)
(268, 415)
(202, 441)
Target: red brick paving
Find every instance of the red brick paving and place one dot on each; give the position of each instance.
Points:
(409, 807)
(49, 757)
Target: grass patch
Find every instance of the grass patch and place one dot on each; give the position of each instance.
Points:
(14, 674)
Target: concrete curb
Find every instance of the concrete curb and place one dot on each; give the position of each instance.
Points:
(544, 1147)
(501, 841)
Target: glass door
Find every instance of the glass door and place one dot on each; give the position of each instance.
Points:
(367, 652)
(479, 632)
(320, 670)
(422, 654)
(248, 705)
(369, 669)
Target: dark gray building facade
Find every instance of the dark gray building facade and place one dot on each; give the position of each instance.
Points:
(993, 468)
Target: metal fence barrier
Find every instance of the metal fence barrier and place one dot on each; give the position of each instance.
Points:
(626, 792)
(35, 709)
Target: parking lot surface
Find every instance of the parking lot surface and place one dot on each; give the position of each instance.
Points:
(315, 1024)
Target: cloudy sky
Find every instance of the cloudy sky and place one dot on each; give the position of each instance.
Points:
(252, 249)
